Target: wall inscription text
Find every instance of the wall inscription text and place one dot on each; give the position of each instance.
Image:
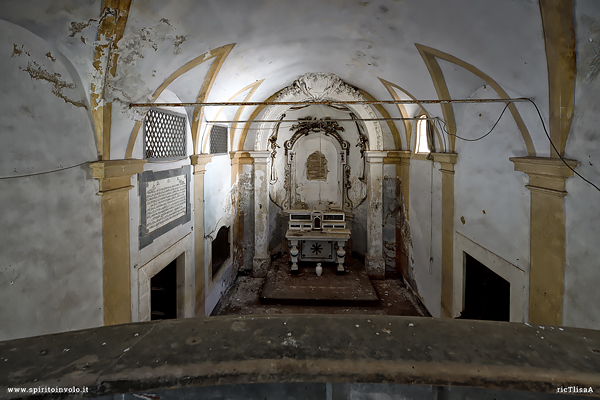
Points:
(166, 200)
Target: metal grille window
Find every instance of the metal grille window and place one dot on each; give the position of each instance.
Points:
(218, 139)
(164, 134)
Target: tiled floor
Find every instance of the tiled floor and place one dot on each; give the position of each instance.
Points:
(244, 298)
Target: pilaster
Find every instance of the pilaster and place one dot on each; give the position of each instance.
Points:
(447, 162)
(401, 158)
(262, 259)
(375, 263)
(547, 177)
(242, 210)
(115, 182)
(199, 162)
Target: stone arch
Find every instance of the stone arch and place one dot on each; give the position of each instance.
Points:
(319, 87)
(429, 57)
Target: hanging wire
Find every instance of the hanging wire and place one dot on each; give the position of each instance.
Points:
(443, 124)
(556, 150)
(45, 172)
(479, 138)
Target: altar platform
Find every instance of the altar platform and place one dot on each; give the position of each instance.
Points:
(353, 288)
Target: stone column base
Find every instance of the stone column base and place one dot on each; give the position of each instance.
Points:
(375, 267)
(260, 266)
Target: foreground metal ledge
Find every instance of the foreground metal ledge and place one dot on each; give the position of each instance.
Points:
(305, 348)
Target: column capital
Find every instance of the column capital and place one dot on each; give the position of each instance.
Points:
(375, 156)
(397, 157)
(240, 157)
(547, 175)
(199, 162)
(447, 161)
(260, 157)
(116, 174)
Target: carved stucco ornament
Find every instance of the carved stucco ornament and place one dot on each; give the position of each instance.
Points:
(319, 86)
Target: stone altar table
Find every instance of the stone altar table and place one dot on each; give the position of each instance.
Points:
(317, 236)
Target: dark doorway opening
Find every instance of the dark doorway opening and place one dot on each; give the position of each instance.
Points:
(220, 249)
(487, 295)
(163, 300)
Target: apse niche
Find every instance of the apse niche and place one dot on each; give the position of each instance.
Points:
(317, 163)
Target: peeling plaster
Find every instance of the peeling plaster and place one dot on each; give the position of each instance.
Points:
(78, 27)
(179, 39)
(19, 51)
(37, 72)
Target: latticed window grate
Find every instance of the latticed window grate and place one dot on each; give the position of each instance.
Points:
(218, 139)
(164, 134)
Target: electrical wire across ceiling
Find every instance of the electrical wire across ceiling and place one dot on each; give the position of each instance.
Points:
(324, 102)
(443, 125)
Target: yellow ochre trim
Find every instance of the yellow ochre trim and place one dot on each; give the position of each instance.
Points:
(558, 22)
(110, 32)
(429, 56)
(220, 54)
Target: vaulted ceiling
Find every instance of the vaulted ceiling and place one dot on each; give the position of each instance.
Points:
(274, 42)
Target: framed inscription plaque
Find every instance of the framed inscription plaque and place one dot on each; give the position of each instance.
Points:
(164, 202)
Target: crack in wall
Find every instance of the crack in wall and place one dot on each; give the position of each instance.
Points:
(35, 71)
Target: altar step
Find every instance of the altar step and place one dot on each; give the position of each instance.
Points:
(306, 288)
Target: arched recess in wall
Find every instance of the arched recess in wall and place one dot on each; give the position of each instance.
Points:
(277, 97)
(219, 54)
(408, 127)
(206, 136)
(429, 57)
(315, 87)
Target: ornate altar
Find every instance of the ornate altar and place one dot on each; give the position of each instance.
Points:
(317, 236)
(318, 158)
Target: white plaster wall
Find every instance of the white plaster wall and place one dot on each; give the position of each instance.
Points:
(319, 194)
(218, 212)
(40, 130)
(582, 204)
(50, 254)
(425, 227)
(51, 246)
(490, 196)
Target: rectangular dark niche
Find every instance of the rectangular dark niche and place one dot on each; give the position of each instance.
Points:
(487, 295)
(163, 293)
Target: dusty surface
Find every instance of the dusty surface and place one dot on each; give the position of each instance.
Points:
(394, 299)
(351, 288)
(192, 352)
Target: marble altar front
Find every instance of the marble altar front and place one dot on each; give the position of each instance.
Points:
(318, 237)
